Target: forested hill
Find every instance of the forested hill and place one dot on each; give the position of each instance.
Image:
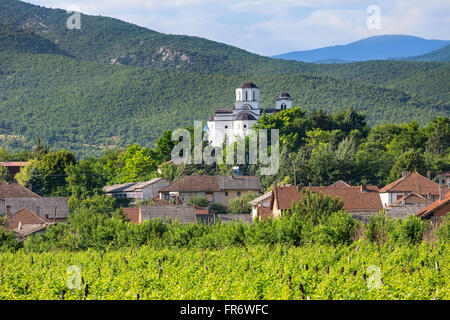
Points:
(113, 83)
(441, 55)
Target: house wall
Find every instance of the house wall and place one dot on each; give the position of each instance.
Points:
(151, 191)
(388, 197)
(443, 211)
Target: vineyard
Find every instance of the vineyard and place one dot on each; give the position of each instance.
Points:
(361, 270)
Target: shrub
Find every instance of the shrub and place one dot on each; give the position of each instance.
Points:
(339, 228)
(8, 241)
(378, 228)
(409, 230)
(198, 201)
(443, 232)
(317, 205)
(241, 205)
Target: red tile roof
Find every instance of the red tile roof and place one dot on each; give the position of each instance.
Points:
(438, 204)
(25, 217)
(354, 199)
(15, 190)
(132, 214)
(413, 182)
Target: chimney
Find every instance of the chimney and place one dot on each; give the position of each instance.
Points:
(363, 188)
(404, 174)
(429, 175)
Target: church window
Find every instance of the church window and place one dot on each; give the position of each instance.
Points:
(245, 126)
(283, 106)
(246, 95)
(254, 96)
(226, 127)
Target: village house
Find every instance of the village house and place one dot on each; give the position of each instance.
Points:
(440, 207)
(13, 167)
(360, 201)
(260, 203)
(217, 189)
(136, 190)
(25, 223)
(14, 197)
(409, 182)
(409, 205)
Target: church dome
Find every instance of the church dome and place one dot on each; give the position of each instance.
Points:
(245, 116)
(247, 85)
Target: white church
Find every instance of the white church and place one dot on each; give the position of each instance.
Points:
(236, 122)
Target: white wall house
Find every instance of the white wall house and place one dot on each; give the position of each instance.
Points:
(137, 190)
(410, 182)
(236, 123)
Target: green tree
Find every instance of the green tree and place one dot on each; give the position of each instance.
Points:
(53, 167)
(411, 161)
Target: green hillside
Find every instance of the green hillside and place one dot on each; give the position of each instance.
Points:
(113, 83)
(441, 55)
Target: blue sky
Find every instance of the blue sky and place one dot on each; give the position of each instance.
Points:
(270, 27)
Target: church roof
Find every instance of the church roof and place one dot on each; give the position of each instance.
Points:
(247, 85)
(284, 95)
(245, 116)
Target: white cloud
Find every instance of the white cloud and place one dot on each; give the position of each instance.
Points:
(274, 26)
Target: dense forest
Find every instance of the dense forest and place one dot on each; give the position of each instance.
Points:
(113, 83)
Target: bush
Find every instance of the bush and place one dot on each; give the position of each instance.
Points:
(241, 205)
(198, 201)
(378, 228)
(409, 230)
(8, 241)
(317, 205)
(443, 232)
(339, 228)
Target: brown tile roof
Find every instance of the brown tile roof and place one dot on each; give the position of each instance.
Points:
(25, 217)
(413, 182)
(213, 184)
(438, 204)
(15, 190)
(132, 214)
(354, 199)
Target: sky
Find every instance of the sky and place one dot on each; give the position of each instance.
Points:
(270, 27)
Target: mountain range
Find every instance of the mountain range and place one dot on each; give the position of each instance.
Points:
(113, 83)
(374, 48)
